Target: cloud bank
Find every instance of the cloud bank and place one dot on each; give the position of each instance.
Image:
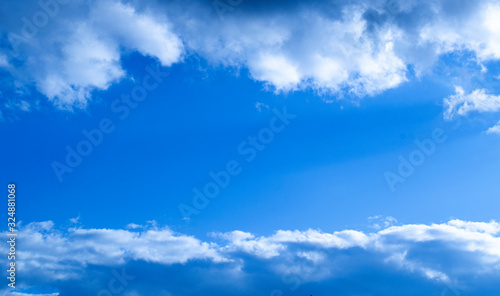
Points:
(335, 48)
(455, 255)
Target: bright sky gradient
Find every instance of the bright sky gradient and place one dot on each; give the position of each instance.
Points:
(242, 147)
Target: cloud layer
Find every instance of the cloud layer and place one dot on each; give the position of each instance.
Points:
(454, 255)
(351, 49)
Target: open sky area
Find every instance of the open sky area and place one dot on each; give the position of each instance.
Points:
(237, 147)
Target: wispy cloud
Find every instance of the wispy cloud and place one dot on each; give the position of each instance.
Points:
(462, 104)
(494, 129)
(3, 60)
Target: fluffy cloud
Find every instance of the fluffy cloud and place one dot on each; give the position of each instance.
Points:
(88, 63)
(440, 255)
(61, 254)
(302, 48)
(472, 27)
(268, 247)
(478, 100)
(148, 34)
(494, 129)
(79, 50)
(356, 48)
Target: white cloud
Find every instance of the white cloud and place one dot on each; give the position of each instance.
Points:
(492, 228)
(341, 239)
(302, 49)
(315, 257)
(63, 254)
(478, 100)
(460, 235)
(133, 226)
(494, 129)
(402, 247)
(377, 222)
(352, 49)
(346, 51)
(400, 259)
(87, 63)
(80, 52)
(142, 32)
(3, 60)
(272, 246)
(244, 241)
(276, 70)
(477, 29)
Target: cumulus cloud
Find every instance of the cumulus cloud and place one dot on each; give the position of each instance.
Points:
(473, 27)
(357, 48)
(396, 243)
(150, 35)
(61, 254)
(88, 62)
(437, 254)
(302, 49)
(80, 49)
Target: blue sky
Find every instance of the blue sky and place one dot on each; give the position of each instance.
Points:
(358, 146)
